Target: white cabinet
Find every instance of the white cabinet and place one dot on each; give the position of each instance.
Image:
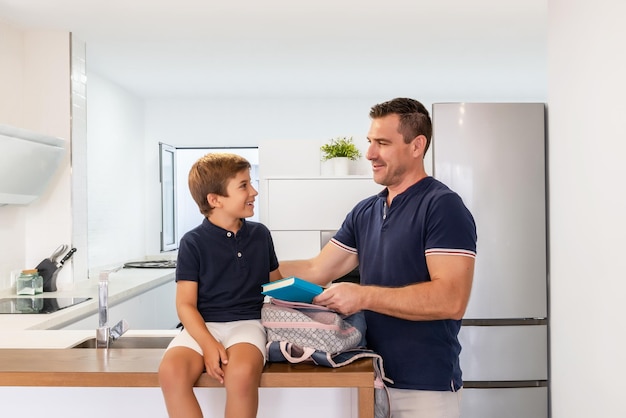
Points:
(316, 203)
(502, 353)
(522, 402)
(299, 210)
(296, 245)
(154, 309)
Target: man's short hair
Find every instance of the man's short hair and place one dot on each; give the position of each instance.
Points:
(414, 118)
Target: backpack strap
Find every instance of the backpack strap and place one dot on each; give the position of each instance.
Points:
(283, 350)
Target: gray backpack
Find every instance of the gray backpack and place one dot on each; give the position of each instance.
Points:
(302, 332)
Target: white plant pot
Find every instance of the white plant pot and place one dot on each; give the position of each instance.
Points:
(340, 166)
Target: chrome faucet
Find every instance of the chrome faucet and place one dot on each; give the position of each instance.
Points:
(104, 334)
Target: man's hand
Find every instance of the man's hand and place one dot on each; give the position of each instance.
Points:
(345, 298)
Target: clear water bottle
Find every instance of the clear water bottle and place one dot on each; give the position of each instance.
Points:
(29, 282)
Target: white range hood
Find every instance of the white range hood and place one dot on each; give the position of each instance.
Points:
(28, 161)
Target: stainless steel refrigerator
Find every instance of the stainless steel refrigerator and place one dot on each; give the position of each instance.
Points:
(494, 156)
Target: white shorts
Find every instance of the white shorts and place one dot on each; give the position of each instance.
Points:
(228, 333)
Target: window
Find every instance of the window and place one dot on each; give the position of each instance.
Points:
(180, 211)
(167, 162)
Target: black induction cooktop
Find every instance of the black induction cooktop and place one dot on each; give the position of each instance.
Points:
(36, 305)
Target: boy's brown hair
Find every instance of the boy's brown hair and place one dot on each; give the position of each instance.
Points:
(210, 174)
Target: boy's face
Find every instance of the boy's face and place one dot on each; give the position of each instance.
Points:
(240, 200)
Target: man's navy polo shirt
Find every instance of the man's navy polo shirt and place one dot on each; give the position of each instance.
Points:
(392, 244)
(229, 268)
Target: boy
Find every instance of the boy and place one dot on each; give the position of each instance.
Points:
(220, 269)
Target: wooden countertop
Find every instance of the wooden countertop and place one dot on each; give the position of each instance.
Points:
(138, 368)
(80, 367)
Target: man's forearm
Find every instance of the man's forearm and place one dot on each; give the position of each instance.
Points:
(425, 301)
(304, 269)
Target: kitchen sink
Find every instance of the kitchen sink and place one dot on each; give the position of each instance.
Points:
(130, 342)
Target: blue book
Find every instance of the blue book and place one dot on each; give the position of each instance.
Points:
(292, 289)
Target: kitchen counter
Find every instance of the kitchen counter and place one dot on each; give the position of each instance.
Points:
(57, 378)
(80, 367)
(45, 358)
(137, 367)
(123, 285)
(34, 354)
(36, 363)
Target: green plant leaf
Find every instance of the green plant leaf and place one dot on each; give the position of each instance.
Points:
(340, 147)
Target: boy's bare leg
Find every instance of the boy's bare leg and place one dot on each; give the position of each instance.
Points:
(178, 372)
(242, 379)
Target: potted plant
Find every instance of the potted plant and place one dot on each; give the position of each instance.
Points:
(340, 147)
(340, 151)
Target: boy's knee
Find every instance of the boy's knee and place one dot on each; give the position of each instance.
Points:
(168, 374)
(243, 376)
(172, 374)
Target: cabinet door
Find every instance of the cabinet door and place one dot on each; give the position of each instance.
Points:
(165, 316)
(303, 158)
(138, 311)
(294, 245)
(505, 402)
(481, 159)
(154, 309)
(314, 203)
(504, 353)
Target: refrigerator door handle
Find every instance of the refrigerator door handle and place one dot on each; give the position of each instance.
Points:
(505, 384)
(500, 322)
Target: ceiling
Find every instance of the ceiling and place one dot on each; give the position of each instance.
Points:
(320, 48)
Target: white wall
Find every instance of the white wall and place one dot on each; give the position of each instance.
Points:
(116, 173)
(11, 74)
(34, 80)
(587, 134)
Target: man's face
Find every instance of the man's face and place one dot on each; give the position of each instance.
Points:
(391, 157)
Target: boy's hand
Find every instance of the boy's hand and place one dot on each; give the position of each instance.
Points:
(214, 357)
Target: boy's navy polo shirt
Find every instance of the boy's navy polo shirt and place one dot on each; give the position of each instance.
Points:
(229, 268)
(392, 244)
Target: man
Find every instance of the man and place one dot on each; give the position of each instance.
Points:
(415, 245)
